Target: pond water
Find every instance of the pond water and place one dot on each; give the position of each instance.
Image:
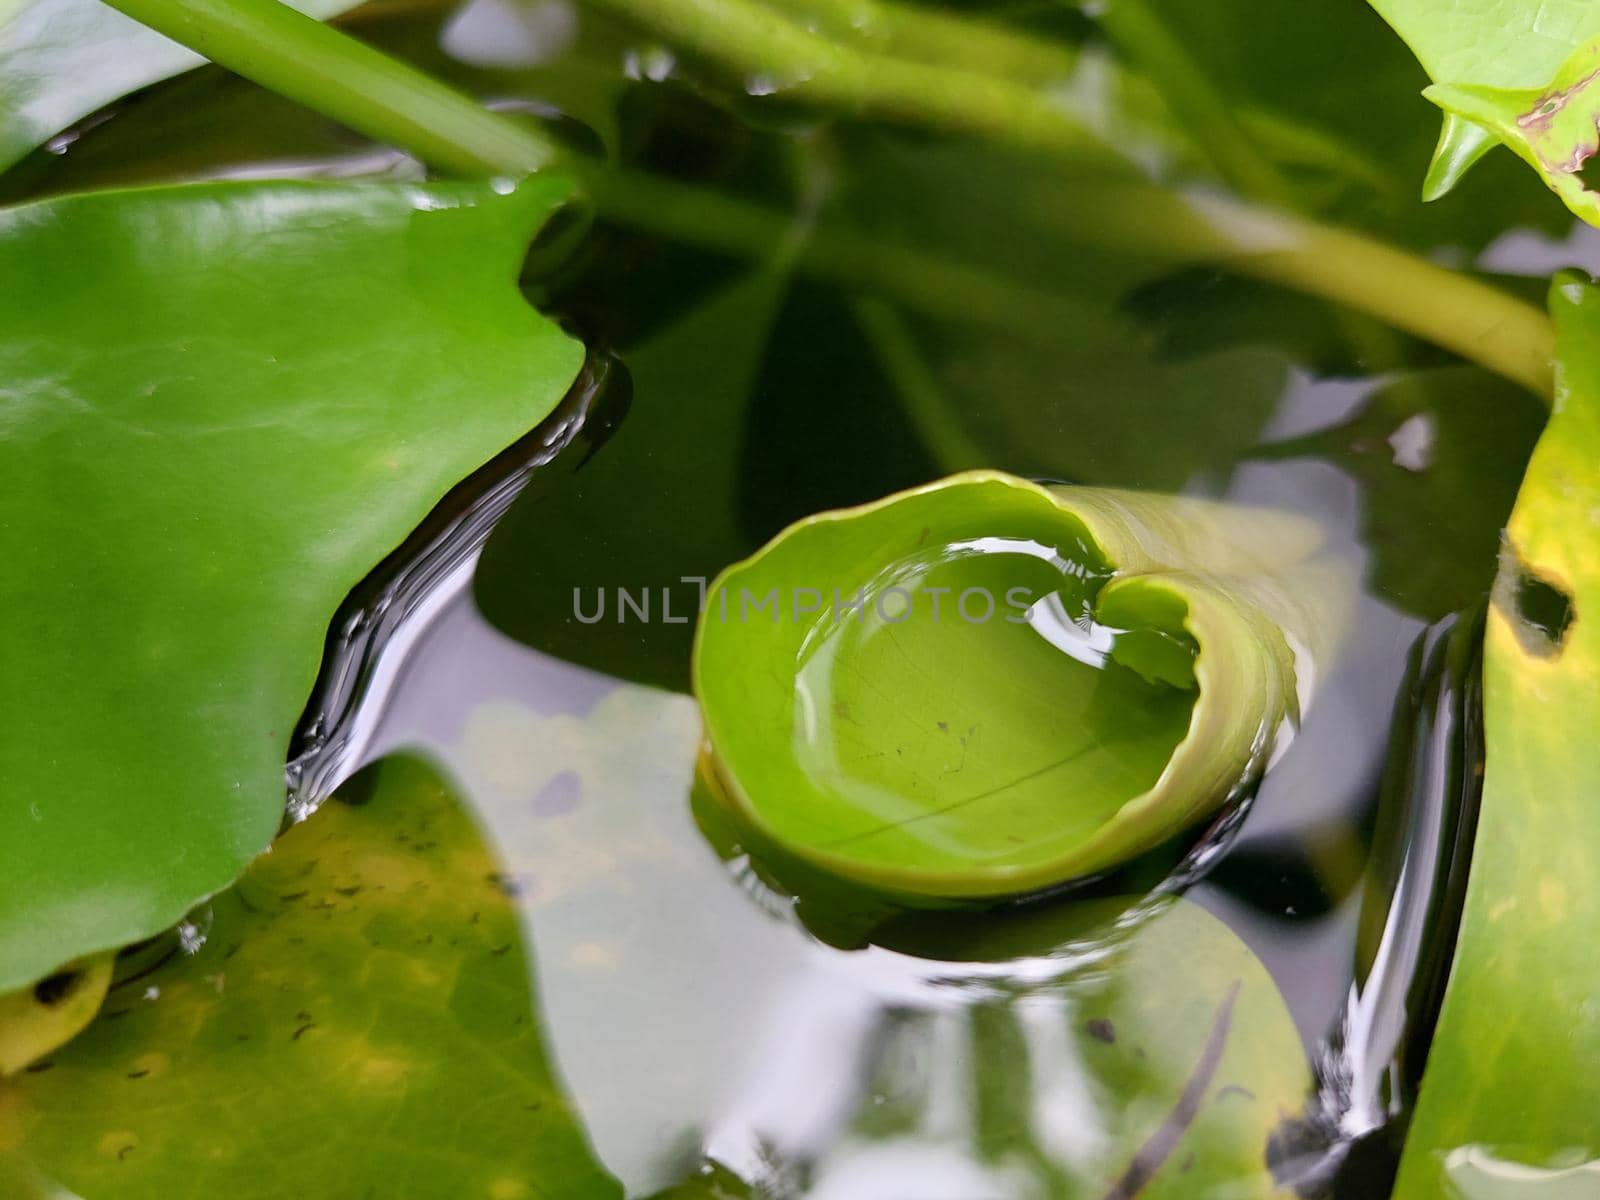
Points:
(701, 1023)
(690, 1010)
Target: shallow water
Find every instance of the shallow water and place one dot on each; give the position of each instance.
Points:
(692, 1010)
(690, 1013)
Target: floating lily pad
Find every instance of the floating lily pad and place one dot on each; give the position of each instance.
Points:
(1520, 1003)
(358, 1022)
(222, 406)
(1037, 683)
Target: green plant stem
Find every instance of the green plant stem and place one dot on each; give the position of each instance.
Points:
(937, 37)
(767, 52)
(926, 283)
(330, 72)
(335, 74)
(1142, 38)
(1476, 320)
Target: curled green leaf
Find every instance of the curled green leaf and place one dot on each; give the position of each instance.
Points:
(984, 686)
(1461, 144)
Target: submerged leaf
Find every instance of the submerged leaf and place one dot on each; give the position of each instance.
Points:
(1520, 1003)
(359, 1022)
(1034, 684)
(62, 59)
(1484, 44)
(553, 570)
(1058, 1048)
(1439, 455)
(204, 449)
(1168, 1051)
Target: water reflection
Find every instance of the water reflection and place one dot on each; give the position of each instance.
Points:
(1480, 1173)
(693, 1021)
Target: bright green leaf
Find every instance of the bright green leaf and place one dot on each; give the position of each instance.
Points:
(1555, 128)
(222, 406)
(1461, 144)
(359, 1022)
(62, 59)
(1485, 44)
(1520, 1004)
(1125, 667)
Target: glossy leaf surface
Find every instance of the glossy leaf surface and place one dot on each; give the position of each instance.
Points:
(223, 406)
(358, 1022)
(62, 59)
(1038, 685)
(1520, 1003)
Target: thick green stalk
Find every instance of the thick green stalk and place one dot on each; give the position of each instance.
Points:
(769, 53)
(1476, 320)
(922, 282)
(316, 65)
(936, 37)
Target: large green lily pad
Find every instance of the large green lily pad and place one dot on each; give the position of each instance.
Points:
(1040, 683)
(222, 406)
(359, 1022)
(1520, 1003)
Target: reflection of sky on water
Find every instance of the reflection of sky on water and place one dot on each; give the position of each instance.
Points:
(1329, 776)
